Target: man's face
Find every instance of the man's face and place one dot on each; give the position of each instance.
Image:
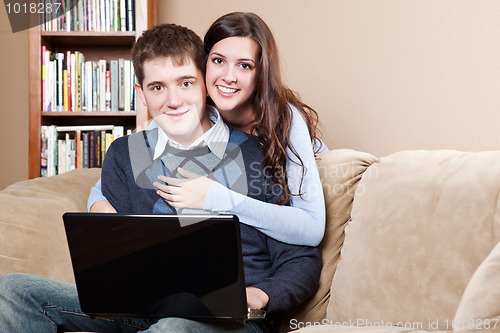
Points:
(175, 97)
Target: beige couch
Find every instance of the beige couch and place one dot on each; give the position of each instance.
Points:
(410, 243)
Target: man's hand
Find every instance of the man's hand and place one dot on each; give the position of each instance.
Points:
(102, 207)
(184, 193)
(256, 298)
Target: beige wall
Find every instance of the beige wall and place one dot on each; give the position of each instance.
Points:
(384, 75)
(13, 103)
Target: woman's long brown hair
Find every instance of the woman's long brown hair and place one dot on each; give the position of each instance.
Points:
(272, 98)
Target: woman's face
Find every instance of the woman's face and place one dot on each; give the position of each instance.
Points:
(231, 76)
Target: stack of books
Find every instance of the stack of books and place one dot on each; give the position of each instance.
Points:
(69, 83)
(89, 15)
(65, 148)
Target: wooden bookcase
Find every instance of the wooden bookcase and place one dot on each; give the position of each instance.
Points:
(95, 46)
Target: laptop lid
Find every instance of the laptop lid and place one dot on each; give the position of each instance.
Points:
(153, 266)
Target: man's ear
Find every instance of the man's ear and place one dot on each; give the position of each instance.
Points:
(140, 93)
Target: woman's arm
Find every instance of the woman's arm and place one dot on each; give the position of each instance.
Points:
(97, 203)
(301, 223)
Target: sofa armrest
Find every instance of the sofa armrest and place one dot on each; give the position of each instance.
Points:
(32, 237)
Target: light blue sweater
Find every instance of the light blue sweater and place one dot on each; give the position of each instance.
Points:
(301, 223)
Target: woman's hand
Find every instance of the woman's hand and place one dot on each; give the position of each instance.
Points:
(102, 206)
(256, 298)
(184, 193)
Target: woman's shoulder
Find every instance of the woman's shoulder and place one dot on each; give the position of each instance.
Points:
(299, 133)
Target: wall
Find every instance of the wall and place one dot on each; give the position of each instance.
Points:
(13, 103)
(384, 75)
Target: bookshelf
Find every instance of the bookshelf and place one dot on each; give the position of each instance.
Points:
(94, 46)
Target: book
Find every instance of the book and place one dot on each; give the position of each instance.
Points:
(108, 91)
(59, 82)
(101, 95)
(65, 90)
(126, 85)
(121, 84)
(91, 149)
(73, 82)
(78, 137)
(44, 151)
(68, 82)
(44, 75)
(85, 149)
(130, 15)
(123, 16)
(114, 84)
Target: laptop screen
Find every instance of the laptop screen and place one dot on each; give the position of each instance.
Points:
(156, 266)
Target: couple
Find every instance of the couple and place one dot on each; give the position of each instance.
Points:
(242, 80)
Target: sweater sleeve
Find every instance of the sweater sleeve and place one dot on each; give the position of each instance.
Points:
(301, 223)
(114, 177)
(295, 277)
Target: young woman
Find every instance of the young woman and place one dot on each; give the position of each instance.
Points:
(243, 81)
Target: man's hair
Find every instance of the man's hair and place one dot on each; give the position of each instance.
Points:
(176, 42)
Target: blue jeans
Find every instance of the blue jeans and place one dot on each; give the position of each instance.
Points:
(31, 303)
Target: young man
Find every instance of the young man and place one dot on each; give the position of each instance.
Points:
(169, 64)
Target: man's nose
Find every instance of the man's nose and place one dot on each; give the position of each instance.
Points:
(174, 100)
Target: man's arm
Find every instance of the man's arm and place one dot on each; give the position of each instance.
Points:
(114, 176)
(295, 277)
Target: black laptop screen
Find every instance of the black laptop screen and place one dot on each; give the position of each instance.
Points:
(151, 266)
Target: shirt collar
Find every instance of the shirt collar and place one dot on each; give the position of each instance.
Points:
(216, 138)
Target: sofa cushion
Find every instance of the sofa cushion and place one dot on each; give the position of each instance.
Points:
(340, 171)
(422, 222)
(32, 237)
(479, 308)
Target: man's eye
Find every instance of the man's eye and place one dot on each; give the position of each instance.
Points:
(187, 84)
(156, 88)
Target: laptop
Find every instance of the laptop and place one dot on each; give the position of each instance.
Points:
(155, 266)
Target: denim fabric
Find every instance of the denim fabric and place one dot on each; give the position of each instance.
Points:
(31, 303)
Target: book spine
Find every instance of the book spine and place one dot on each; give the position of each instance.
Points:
(126, 85)
(132, 88)
(114, 84)
(97, 146)
(130, 15)
(69, 74)
(78, 137)
(121, 84)
(91, 149)
(103, 146)
(60, 82)
(85, 150)
(65, 90)
(44, 76)
(108, 91)
(73, 82)
(44, 151)
(123, 15)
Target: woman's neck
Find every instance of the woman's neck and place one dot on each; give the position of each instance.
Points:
(241, 119)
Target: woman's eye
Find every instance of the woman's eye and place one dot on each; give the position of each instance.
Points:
(217, 61)
(246, 66)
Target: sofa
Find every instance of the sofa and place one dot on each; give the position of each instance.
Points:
(410, 242)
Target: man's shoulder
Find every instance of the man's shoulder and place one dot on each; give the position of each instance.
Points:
(127, 140)
(243, 139)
